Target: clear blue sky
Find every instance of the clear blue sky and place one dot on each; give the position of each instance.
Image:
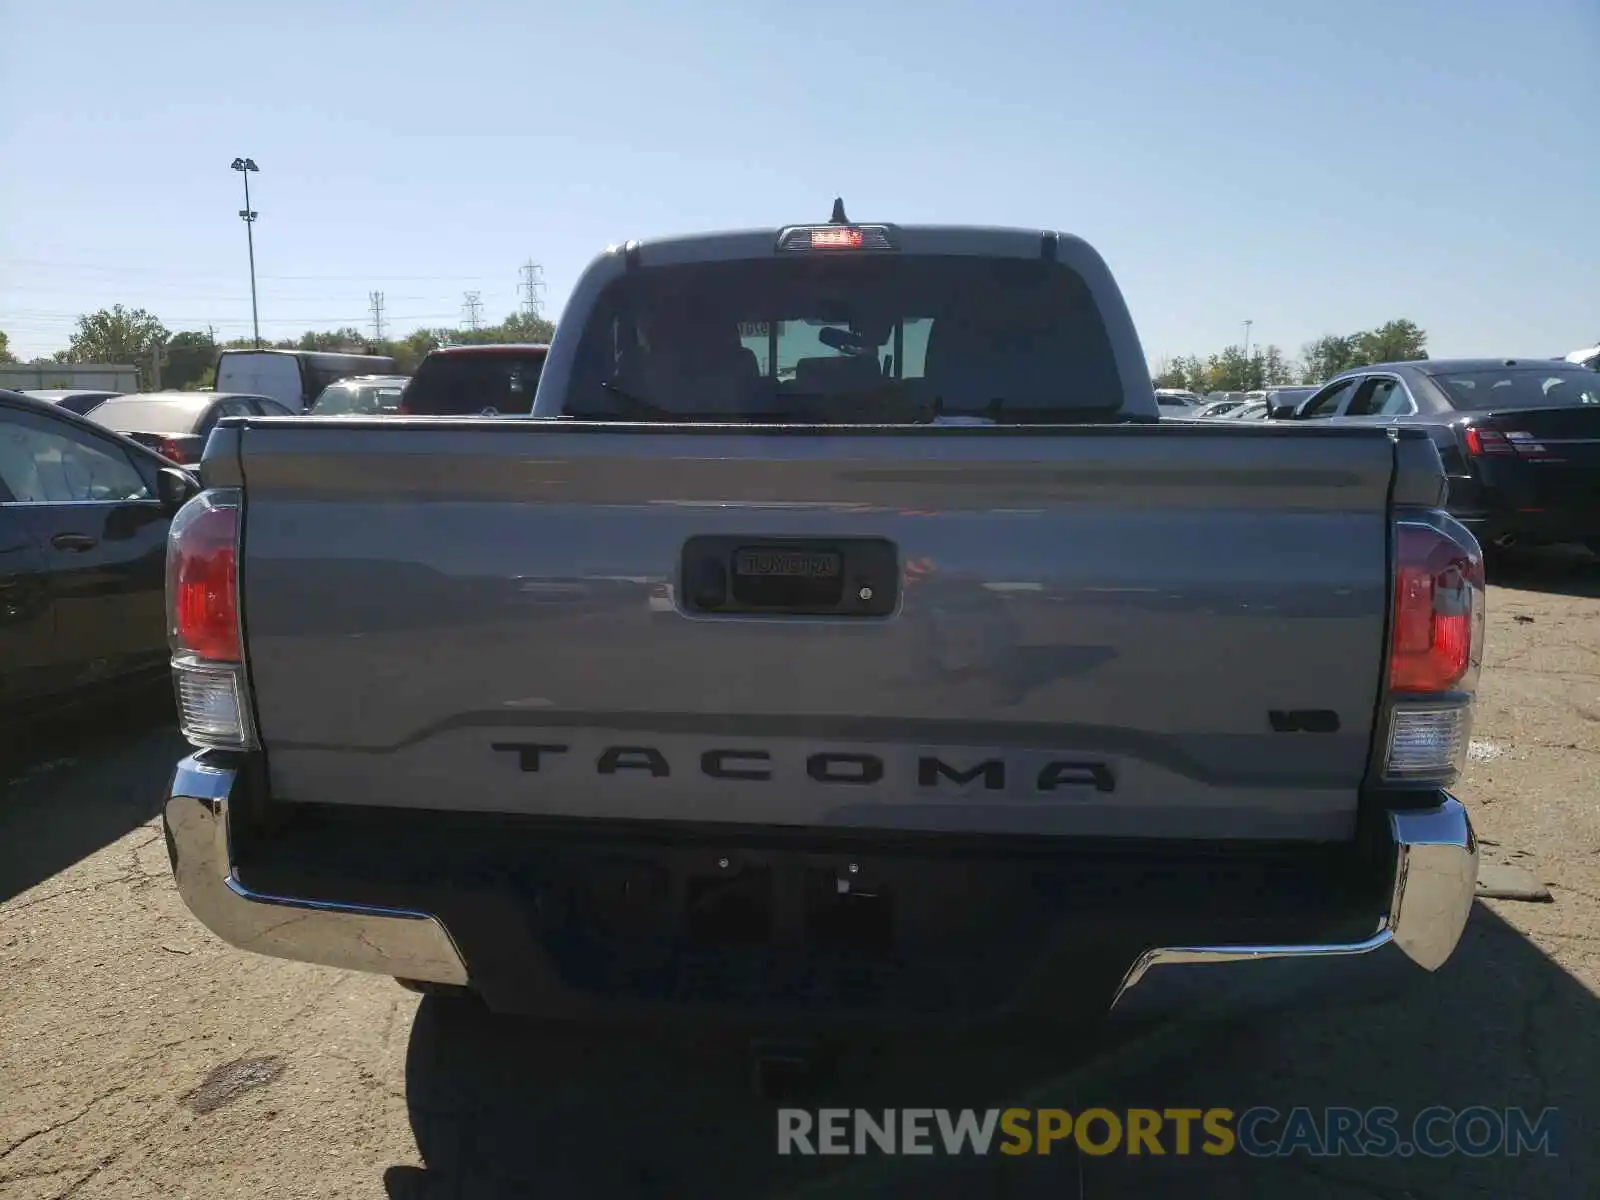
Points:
(1314, 167)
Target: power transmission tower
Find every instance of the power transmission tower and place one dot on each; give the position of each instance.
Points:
(473, 304)
(532, 289)
(375, 300)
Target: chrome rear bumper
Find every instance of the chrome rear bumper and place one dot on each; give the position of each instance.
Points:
(1435, 857)
(388, 941)
(1435, 880)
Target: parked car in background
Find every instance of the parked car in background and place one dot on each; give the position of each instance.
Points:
(176, 424)
(462, 381)
(1519, 438)
(1176, 398)
(1217, 408)
(1587, 357)
(71, 401)
(294, 378)
(83, 538)
(1249, 410)
(360, 396)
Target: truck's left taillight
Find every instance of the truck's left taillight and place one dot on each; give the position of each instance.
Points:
(1435, 651)
(203, 623)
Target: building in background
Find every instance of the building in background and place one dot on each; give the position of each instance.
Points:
(32, 377)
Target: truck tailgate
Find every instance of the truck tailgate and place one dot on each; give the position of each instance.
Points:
(1153, 631)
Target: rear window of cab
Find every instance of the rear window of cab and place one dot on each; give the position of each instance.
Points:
(836, 338)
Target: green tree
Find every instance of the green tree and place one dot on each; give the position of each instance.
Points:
(1275, 370)
(1170, 374)
(190, 357)
(348, 340)
(1326, 357)
(245, 343)
(115, 335)
(1400, 340)
(5, 349)
(408, 352)
(519, 327)
(1393, 341)
(1184, 372)
(1231, 371)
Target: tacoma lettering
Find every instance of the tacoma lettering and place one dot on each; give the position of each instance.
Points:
(826, 766)
(930, 770)
(631, 758)
(845, 768)
(1076, 774)
(715, 764)
(528, 752)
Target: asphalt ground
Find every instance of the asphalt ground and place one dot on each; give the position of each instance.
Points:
(140, 1057)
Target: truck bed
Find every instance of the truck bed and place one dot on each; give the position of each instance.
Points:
(1086, 632)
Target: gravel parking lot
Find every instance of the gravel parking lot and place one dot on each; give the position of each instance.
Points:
(140, 1057)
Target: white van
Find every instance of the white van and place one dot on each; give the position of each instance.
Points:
(294, 377)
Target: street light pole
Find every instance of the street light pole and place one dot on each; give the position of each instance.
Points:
(244, 166)
(1247, 325)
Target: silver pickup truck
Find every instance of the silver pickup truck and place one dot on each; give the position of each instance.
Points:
(842, 638)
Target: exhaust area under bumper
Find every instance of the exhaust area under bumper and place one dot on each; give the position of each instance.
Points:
(1433, 851)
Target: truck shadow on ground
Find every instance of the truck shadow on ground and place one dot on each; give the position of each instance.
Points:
(505, 1108)
(72, 784)
(1554, 570)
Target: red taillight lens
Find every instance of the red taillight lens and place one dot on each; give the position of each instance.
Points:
(203, 580)
(1438, 611)
(172, 450)
(1487, 442)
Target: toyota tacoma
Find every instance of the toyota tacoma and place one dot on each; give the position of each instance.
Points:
(841, 637)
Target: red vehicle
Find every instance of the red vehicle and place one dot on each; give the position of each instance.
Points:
(464, 381)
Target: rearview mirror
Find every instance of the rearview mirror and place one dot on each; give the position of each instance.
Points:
(175, 488)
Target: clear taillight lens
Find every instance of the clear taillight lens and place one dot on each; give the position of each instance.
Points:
(212, 707)
(1427, 744)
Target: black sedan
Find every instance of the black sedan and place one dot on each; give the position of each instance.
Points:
(176, 424)
(1520, 438)
(83, 538)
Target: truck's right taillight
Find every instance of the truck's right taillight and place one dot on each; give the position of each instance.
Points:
(1435, 651)
(203, 623)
